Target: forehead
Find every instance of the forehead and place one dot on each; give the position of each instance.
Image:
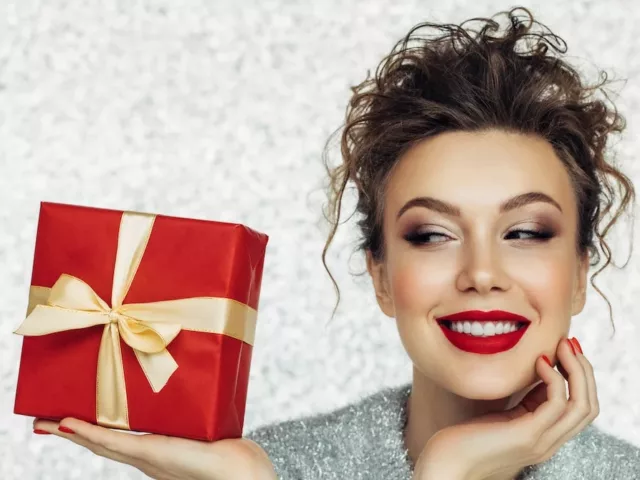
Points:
(479, 169)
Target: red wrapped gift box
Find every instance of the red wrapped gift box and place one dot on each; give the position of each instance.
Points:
(215, 266)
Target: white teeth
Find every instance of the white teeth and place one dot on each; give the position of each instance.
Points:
(489, 329)
(476, 329)
(484, 329)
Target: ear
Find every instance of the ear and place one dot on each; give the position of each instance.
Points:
(580, 292)
(381, 285)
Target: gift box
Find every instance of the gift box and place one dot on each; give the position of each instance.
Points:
(140, 322)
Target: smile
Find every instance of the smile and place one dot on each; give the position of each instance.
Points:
(484, 332)
(483, 329)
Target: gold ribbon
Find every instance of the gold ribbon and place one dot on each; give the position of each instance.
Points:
(146, 327)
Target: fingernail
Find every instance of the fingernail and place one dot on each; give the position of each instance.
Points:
(576, 344)
(64, 429)
(546, 359)
(573, 349)
(37, 431)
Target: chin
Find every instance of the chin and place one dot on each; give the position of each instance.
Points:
(489, 386)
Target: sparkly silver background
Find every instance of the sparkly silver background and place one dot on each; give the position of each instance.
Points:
(219, 110)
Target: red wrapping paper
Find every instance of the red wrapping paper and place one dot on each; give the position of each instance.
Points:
(205, 398)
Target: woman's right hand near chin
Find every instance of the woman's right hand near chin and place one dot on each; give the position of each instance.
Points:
(169, 458)
(499, 445)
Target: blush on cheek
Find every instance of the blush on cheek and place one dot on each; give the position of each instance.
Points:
(548, 289)
(559, 294)
(549, 282)
(414, 288)
(404, 291)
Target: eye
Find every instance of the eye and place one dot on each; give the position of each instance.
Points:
(531, 235)
(422, 237)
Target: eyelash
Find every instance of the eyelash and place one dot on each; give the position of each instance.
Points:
(539, 236)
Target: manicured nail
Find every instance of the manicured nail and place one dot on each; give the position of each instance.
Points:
(37, 431)
(576, 344)
(64, 429)
(546, 359)
(573, 349)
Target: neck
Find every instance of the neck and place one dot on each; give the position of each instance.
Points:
(431, 408)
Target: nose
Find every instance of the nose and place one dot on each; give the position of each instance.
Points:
(481, 270)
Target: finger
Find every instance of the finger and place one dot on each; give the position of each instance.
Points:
(578, 406)
(591, 384)
(121, 443)
(577, 378)
(53, 428)
(148, 453)
(532, 400)
(593, 403)
(562, 371)
(97, 448)
(546, 414)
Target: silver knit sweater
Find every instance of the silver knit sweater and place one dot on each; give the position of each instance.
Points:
(365, 441)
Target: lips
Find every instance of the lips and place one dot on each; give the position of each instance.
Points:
(484, 345)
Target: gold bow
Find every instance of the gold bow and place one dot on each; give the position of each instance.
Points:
(146, 327)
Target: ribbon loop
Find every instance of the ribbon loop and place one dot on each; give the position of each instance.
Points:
(72, 293)
(144, 337)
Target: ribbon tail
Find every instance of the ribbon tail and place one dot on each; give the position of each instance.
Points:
(111, 391)
(157, 367)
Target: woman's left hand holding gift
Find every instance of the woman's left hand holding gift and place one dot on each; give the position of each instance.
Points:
(168, 458)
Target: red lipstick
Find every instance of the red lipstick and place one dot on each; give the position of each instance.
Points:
(483, 345)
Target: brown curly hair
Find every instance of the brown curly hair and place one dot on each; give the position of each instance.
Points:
(469, 80)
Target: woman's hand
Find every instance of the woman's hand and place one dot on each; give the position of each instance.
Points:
(168, 458)
(500, 445)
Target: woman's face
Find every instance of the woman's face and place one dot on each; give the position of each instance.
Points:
(455, 250)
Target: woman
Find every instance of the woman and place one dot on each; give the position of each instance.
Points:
(479, 165)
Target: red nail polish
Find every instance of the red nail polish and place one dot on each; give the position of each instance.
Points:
(573, 349)
(37, 431)
(576, 344)
(64, 429)
(546, 359)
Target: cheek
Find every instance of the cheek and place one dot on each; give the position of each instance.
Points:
(548, 284)
(418, 283)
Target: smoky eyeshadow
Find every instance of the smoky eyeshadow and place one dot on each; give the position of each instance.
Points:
(546, 224)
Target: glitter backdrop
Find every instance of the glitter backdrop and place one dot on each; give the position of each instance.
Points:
(220, 110)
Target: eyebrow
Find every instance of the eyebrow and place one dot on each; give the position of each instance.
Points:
(448, 209)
